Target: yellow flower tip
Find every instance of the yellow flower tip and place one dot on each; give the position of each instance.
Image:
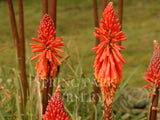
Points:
(154, 41)
(58, 88)
(156, 45)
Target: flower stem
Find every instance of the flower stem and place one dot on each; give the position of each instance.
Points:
(96, 88)
(45, 95)
(20, 45)
(154, 104)
(120, 13)
(50, 88)
(53, 11)
(45, 6)
(107, 112)
(96, 21)
(22, 51)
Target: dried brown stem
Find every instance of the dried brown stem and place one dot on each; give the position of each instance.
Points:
(53, 10)
(20, 47)
(50, 88)
(120, 13)
(45, 95)
(53, 15)
(48, 84)
(13, 25)
(95, 87)
(154, 104)
(96, 18)
(45, 6)
(22, 51)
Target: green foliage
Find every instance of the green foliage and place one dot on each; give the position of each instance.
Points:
(76, 92)
(130, 103)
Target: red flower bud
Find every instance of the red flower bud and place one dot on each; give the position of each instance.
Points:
(55, 109)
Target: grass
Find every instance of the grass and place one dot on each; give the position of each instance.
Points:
(76, 24)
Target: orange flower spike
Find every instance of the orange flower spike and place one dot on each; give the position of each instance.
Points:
(108, 62)
(153, 73)
(55, 109)
(48, 48)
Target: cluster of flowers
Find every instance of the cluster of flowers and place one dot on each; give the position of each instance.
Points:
(107, 65)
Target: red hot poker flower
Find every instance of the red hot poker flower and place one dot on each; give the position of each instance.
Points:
(108, 61)
(55, 109)
(153, 73)
(48, 48)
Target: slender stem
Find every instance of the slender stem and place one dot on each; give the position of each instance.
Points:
(96, 18)
(153, 111)
(22, 51)
(19, 52)
(45, 95)
(154, 104)
(58, 70)
(53, 10)
(45, 6)
(120, 13)
(13, 25)
(104, 3)
(53, 15)
(45, 81)
(95, 87)
(47, 90)
(50, 88)
(107, 112)
(95, 100)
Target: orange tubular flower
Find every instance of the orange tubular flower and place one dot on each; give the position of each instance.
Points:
(108, 61)
(55, 109)
(153, 73)
(49, 48)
